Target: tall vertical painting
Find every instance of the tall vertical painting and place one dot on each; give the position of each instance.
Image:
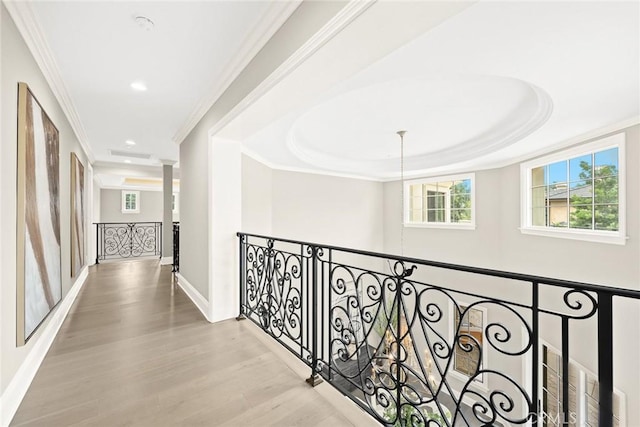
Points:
(77, 216)
(39, 279)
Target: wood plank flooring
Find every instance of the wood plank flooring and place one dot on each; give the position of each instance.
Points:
(134, 350)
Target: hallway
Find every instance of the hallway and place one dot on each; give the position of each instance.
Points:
(134, 350)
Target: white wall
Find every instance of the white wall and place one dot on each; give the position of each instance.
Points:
(304, 22)
(497, 243)
(150, 207)
(18, 65)
(194, 210)
(257, 183)
(326, 209)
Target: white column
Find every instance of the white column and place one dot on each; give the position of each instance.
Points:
(225, 220)
(167, 212)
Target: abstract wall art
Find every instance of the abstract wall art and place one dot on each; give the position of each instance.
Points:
(77, 216)
(39, 279)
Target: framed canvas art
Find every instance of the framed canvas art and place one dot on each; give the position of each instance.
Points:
(77, 216)
(39, 278)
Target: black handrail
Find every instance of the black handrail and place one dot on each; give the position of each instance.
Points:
(628, 293)
(127, 240)
(363, 327)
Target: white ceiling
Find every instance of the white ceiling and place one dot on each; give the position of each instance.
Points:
(496, 83)
(192, 50)
(476, 85)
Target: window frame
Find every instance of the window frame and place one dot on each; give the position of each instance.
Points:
(124, 202)
(600, 236)
(481, 380)
(581, 387)
(447, 224)
(175, 202)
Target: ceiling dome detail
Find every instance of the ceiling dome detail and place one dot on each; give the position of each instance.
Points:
(449, 120)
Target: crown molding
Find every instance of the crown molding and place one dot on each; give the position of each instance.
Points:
(276, 15)
(32, 33)
(426, 173)
(343, 18)
(274, 166)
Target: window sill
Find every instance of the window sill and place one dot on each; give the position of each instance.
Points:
(130, 212)
(444, 225)
(613, 238)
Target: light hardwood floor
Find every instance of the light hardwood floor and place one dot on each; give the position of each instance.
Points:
(134, 350)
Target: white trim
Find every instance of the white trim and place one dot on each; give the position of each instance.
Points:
(619, 126)
(210, 224)
(442, 225)
(276, 15)
(166, 260)
(196, 297)
(258, 158)
(32, 33)
(447, 224)
(619, 237)
(586, 136)
(2, 410)
(19, 384)
(343, 18)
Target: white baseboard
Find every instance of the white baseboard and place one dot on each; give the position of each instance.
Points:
(195, 296)
(19, 384)
(166, 260)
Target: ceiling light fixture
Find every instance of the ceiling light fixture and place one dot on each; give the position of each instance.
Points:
(127, 161)
(144, 23)
(130, 142)
(139, 86)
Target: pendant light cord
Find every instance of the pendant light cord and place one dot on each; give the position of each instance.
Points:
(401, 133)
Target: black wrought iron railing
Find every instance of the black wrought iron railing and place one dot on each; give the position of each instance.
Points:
(176, 247)
(127, 240)
(421, 343)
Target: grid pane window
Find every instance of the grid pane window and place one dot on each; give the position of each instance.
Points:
(583, 394)
(579, 193)
(440, 201)
(130, 202)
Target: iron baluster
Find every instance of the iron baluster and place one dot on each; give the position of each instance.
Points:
(605, 359)
(534, 409)
(315, 378)
(241, 273)
(565, 371)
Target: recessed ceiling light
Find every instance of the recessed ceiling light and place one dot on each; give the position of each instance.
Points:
(130, 142)
(127, 161)
(144, 23)
(139, 86)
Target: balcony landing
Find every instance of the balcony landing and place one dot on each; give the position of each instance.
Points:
(134, 350)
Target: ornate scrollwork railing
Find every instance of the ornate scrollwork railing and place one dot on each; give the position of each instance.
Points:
(421, 343)
(176, 247)
(128, 240)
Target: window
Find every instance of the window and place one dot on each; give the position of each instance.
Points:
(578, 193)
(470, 353)
(583, 393)
(440, 202)
(130, 201)
(175, 202)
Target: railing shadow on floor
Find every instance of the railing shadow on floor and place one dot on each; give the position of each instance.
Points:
(422, 343)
